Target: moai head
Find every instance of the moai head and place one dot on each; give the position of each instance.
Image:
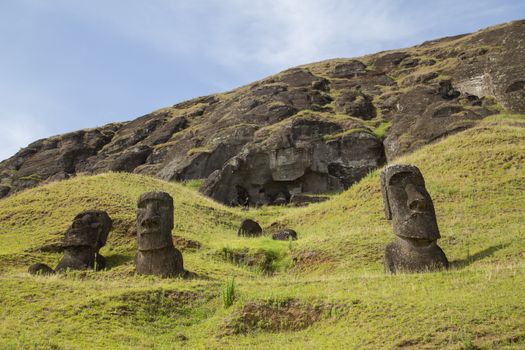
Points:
(408, 204)
(154, 221)
(89, 229)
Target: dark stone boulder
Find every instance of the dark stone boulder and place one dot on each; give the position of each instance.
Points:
(356, 104)
(447, 91)
(285, 235)
(249, 228)
(299, 77)
(40, 269)
(4, 191)
(348, 69)
(281, 198)
(389, 61)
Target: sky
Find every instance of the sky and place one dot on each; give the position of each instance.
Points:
(71, 64)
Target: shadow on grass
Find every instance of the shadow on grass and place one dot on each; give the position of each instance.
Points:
(485, 253)
(117, 260)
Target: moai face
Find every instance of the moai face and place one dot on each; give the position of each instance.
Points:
(89, 228)
(408, 204)
(154, 221)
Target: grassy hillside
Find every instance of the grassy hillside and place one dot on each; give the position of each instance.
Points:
(326, 290)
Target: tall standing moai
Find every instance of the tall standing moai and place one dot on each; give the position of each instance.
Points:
(156, 253)
(83, 240)
(409, 206)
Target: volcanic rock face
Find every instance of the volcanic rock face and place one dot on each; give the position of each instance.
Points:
(314, 128)
(304, 155)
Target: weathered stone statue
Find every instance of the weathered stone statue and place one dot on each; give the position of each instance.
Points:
(409, 206)
(156, 253)
(249, 228)
(83, 240)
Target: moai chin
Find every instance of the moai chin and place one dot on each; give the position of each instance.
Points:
(156, 253)
(83, 240)
(409, 205)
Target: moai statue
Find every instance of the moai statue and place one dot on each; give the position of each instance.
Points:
(83, 239)
(409, 206)
(156, 253)
(249, 228)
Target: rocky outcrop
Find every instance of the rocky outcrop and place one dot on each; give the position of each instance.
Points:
(318, 127)
(303, 154)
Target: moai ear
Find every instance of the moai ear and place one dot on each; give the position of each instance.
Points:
(386, 202)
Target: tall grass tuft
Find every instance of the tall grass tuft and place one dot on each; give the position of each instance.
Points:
(228, 293)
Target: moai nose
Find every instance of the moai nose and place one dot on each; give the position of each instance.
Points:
(150, 220)
(415, 200)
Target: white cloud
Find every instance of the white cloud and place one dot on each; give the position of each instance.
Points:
(273, 33)
(291, 32)
(19, 130)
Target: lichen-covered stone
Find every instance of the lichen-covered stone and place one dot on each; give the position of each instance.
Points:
(40, 269)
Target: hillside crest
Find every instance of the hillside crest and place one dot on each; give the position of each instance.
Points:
(316, 128)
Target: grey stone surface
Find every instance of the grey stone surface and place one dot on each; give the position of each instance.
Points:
(285, 235)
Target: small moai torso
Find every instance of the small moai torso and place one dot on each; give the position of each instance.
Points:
(156, 253)
(83, 240)
(249, 228)
(409, 205)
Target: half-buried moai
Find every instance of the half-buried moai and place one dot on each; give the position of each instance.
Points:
(409, 206)
(156, 253)
(249, 228)
(83, 240)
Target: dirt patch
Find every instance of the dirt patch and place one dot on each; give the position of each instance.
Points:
(185, 243)
(309, 260)
(276, 316)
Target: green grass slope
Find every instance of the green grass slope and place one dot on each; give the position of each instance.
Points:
(326, 290)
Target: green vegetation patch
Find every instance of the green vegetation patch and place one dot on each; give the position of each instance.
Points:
(327, 290)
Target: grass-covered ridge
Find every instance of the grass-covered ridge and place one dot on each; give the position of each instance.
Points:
(326, 290)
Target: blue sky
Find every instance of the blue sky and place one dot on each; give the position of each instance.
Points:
(72, 64)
